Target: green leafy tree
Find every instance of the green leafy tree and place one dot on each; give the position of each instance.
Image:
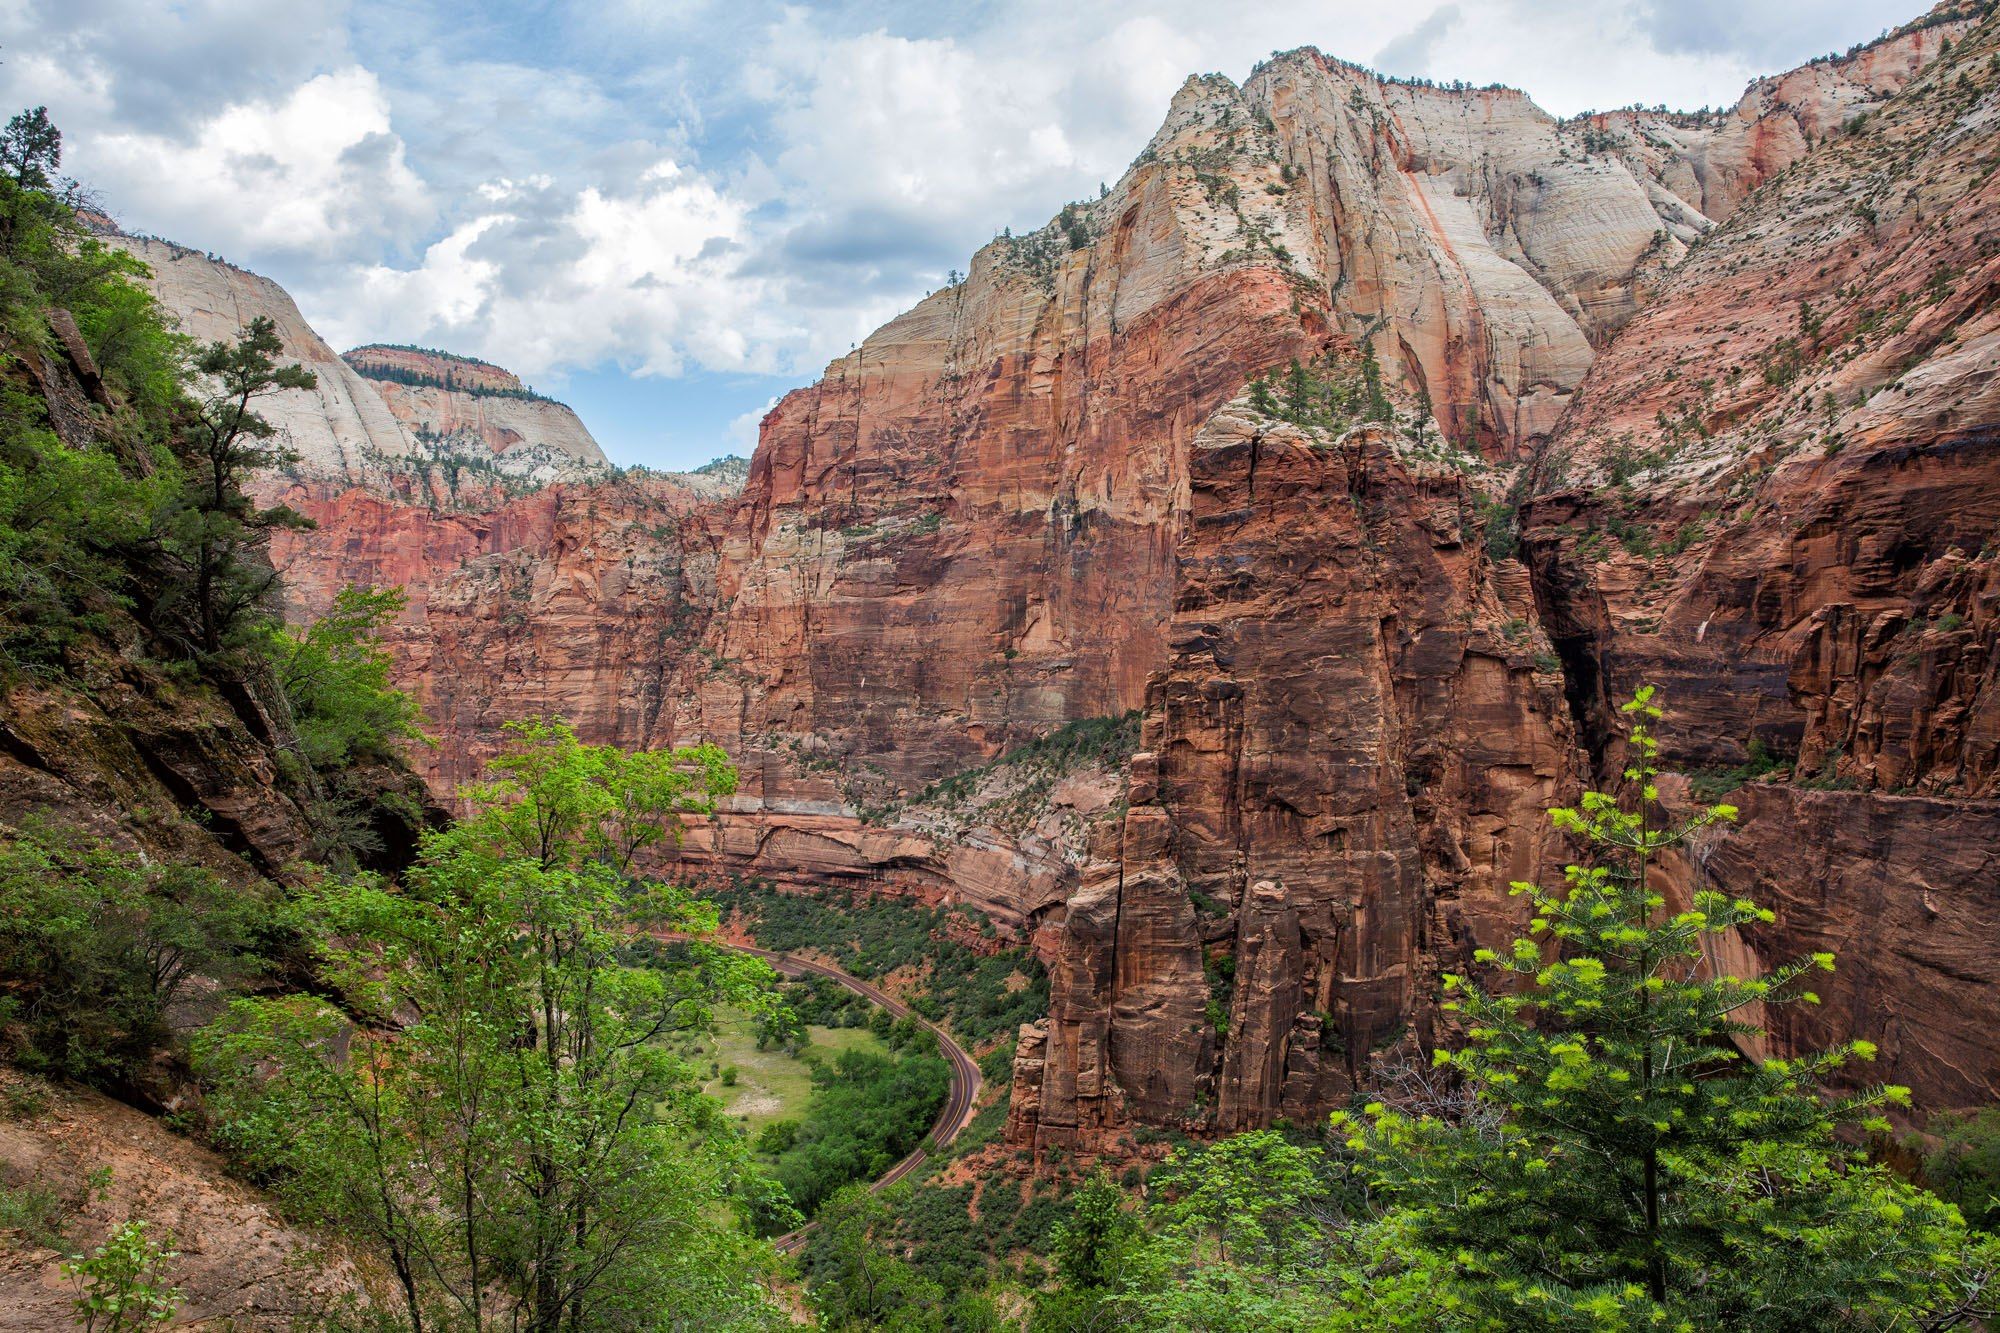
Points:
(335, 675)
(1092, 1247)
(96, 946)
(510, 1124)
(867, 1112)
(857, 1281)
(121, 1285)
(1625, 1162)
(76, 514)
(1244, 1237)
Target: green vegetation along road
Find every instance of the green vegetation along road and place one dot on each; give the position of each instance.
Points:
(958, 1104)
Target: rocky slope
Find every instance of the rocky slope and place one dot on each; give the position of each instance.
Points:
(1741, 369)
(1790, 518)
(240, 1266)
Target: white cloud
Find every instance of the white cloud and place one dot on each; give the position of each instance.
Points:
(318, 172)
(648, 278)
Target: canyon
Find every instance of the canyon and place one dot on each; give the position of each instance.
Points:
(1706, 401)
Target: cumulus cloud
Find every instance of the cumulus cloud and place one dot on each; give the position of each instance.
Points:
(648, 277)
(318, 172)
(169, 64)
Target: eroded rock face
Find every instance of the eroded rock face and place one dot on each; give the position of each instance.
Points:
(571, 601)
(1804, 553)
(455, 400)
(1346, 759)
(339, 429)
(1743, 367)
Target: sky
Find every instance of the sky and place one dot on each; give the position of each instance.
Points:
(669, 212)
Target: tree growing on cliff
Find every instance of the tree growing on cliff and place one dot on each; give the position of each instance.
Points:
(335, 675)
(31, 149)
(218, 531)
(1627, 1162)
(507, 1123)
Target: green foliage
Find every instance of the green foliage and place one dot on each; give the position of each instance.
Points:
(979, 995)
(1238, 1241)
(136, 503)
(1602, 1154)
(1708, 784)
(506, 1124)
(1328, 392)
(121, 1285)
(867, 1112)
(473, 388)
(96, 945)
(335, 675)
(856, 1282)
(36, 1211)
(1091, 741)
(74, 517)
(31, 150)
(1963, 1165)
(1093, 1247)
(216, 531)
(1623, 1163)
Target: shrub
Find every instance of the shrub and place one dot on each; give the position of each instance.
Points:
(96, 945)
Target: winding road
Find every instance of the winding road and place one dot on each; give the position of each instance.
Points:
(958, 1102)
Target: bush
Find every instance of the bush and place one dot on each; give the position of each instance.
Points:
(335, 675)
(1964, 1167)
(121, 1285)
(96, 945)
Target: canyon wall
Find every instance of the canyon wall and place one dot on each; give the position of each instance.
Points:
(1730, 377)
(1346, 760)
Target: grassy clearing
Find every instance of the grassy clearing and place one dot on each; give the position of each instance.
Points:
(770, 1084)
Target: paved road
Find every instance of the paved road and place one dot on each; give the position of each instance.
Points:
(958, 1103)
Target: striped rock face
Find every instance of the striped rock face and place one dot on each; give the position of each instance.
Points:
(1704, 401)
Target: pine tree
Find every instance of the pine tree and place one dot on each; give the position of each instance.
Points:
(1262, 400)
(31, 149)
(219, 533)
(1298, 390)
(1628, 1163)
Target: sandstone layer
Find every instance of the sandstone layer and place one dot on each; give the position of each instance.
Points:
(1737, 372)
(1346, 760)
(455, 400)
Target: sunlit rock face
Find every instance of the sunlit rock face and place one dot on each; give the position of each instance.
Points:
(1737, 374)
(446, 400)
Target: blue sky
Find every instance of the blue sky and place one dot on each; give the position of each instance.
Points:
(668, 212)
